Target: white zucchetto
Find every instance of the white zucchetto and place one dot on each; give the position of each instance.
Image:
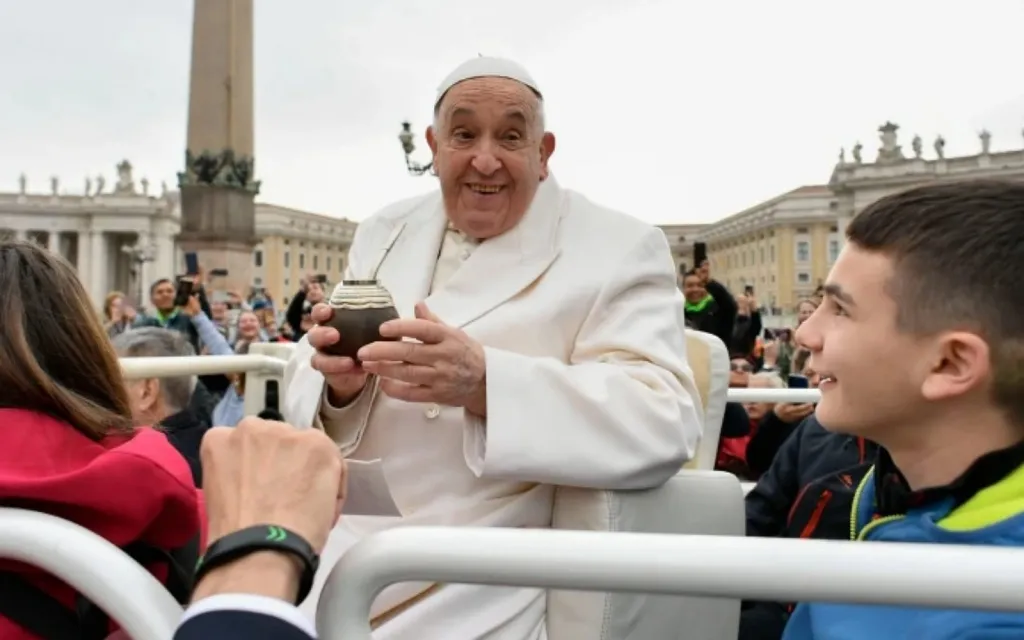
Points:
(486, 67)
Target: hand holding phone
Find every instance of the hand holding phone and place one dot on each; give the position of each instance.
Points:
(798, 382)
(183, 292)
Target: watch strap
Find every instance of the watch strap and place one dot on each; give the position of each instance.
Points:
(258, 538)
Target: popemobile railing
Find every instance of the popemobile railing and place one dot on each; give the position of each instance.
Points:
(202, 365)
(135, 368)
(946, 576)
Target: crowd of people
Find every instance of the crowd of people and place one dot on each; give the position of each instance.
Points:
(541, 343)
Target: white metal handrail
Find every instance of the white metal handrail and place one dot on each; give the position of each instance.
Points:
(91, 566)
(135, 368)
(202, 365)
(774, 395)
(984, 578)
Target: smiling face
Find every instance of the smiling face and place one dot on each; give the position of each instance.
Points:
(248, 325)
(490, 153)
(872, 373)
(161, 295)
(693, 288)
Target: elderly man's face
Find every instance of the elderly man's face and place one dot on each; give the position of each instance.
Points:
(490, 153)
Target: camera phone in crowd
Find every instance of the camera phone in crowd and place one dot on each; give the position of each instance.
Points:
(183, 292)
(191, 263)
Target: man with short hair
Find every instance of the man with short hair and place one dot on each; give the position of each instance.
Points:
(180, 404)
(544, 345)
(919, 343)
(709, 305)
(168, 316)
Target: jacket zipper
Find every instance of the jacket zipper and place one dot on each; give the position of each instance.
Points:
(815, 518)
(854, 534)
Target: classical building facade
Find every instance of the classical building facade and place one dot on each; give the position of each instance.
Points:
(680, 240)
(785, 247)
(124, 238)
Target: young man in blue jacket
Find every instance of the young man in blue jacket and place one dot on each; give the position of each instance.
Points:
(920, 344)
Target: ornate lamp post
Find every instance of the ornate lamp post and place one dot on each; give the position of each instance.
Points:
(139, 255)
(406, 138)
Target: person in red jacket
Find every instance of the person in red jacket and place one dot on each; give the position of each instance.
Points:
(68, 447)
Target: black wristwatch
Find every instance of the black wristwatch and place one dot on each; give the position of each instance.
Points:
(262, 538)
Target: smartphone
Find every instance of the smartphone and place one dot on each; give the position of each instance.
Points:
(183, 292)
(321, 278)
(219, 273)
(748, 290)
(798, 382)
(700, 254)
(191, 263)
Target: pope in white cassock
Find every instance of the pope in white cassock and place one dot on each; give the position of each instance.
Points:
(543, 345)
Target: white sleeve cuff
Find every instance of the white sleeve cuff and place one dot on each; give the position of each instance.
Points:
(255, 604)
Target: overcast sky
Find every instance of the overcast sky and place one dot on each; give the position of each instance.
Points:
(672, 111)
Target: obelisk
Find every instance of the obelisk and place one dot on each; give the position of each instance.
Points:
(218, 182)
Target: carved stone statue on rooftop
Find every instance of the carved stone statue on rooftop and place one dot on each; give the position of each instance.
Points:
(890, 151)
(842, 155)
(145, 186)
(100, 183)
(857, 151)
(22, 184)
(88, 186)
(55, 185)
(163, 188)
(917, 146)
(125, 184)
(986, 141)
(940, 147)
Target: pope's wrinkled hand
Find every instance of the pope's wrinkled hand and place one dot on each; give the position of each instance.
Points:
(345, 379)
(431, 362)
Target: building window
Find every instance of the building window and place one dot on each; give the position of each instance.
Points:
(287, 259)
(803, 251)
(257, 258)
(833, 249)
(328, 267)
(257, 282)
(302, 261)
(802, 277)
(316, 262)
(760, 255)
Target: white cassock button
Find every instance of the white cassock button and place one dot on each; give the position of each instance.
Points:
(432, 411)
(465, 254)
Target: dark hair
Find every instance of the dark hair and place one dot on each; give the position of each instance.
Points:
(57, 359)
(691, 273)
(958, 254)
(157, 283)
